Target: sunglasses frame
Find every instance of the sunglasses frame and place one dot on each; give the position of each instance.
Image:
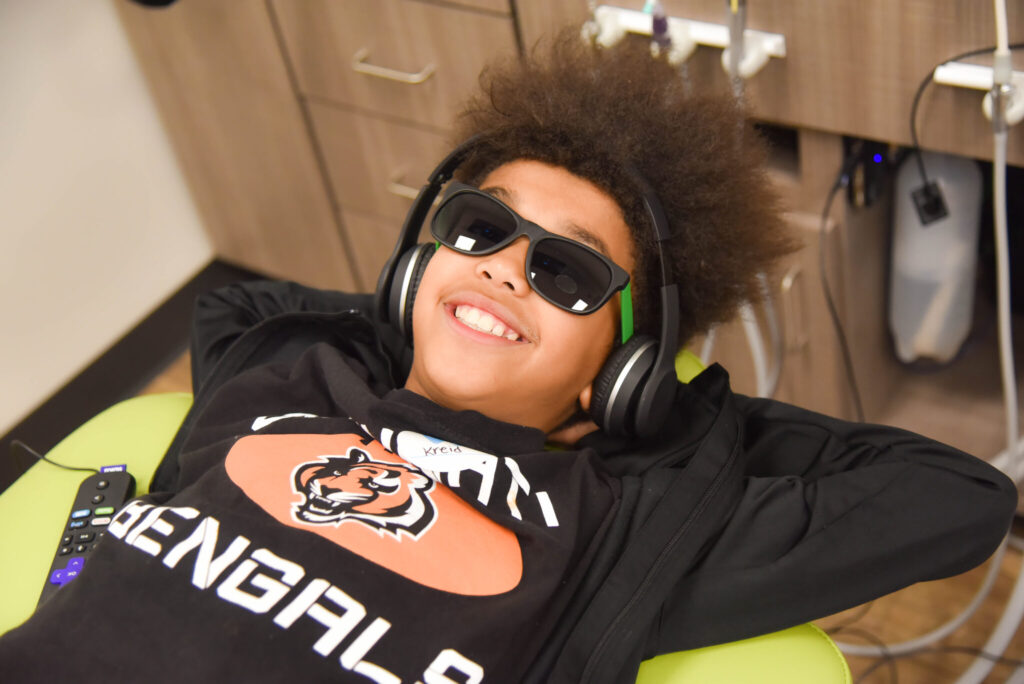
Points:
(619, 278)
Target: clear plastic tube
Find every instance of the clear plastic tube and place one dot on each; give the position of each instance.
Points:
(756, 344)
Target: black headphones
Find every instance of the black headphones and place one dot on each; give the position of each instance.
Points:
(634, 390)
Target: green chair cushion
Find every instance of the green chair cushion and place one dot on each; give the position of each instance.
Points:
(799, 655)
(34, 509)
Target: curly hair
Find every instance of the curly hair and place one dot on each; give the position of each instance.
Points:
(599, 113)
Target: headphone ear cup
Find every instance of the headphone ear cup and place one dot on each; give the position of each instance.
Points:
(617, 388)
(402, 292)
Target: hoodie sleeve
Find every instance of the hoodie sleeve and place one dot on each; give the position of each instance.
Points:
(833, 514)
(222, 316)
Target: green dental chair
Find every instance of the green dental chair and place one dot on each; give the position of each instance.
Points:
(137, 431)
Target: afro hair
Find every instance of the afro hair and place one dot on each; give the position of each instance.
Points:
(603, 113)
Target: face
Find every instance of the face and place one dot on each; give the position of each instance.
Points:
(484, 340)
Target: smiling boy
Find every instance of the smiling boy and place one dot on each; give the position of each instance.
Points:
(350, 503)
(550, 365)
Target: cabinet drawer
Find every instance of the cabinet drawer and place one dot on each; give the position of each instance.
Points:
(372, 238)
(375, 165)
(408, 59)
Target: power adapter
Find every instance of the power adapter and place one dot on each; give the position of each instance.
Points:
(930, 203)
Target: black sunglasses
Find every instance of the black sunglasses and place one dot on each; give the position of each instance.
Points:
(567, 273)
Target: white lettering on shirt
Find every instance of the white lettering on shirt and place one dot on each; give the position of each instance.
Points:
(273, 589)
(440, 458)
(250, 586)
(263, 421)
(207, 568)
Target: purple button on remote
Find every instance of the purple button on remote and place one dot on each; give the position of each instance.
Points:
(68, 573)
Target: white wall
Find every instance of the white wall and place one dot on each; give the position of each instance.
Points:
(96, 224)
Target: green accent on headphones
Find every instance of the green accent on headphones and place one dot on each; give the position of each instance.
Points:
(626, 311)
(437, 245)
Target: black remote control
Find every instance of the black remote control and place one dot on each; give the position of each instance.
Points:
(98, 497)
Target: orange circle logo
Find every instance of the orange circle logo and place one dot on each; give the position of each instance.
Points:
(355, 493)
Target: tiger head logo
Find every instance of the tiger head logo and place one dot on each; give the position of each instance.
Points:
(389, 497)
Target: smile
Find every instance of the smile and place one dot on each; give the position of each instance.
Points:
(481, 321)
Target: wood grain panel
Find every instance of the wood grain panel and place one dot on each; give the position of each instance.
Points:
(216, 72)
(497, 6)
(373, 238)
(366, 154)
(323, 36)
(852, 66)
(539, 18)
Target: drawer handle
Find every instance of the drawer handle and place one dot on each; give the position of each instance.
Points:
(793, 308)
(360, 64)
(397, 187)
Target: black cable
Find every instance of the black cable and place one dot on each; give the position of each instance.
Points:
(920, 90)
(844, 347)
(886, 659)
(969, 650)
(38, 456)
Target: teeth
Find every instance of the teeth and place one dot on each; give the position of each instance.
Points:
(484, 322)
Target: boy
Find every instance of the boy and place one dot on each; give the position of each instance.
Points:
(330, 512)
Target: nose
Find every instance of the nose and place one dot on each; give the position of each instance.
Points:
(506, 268)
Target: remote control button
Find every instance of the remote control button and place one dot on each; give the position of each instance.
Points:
(98, 499)
(83, 537)
(100, 522)
(102, 484)
(65, 575)
(75, 524)
(64, 550)
(80, 513)
(66, 540)
(81, 548)
(104, 510)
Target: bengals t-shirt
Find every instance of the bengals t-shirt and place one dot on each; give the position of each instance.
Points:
(333, 532)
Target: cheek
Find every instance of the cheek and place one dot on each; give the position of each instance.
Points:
(581, 352)
(442, 268)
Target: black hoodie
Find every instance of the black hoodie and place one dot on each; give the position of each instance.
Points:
(312, 521)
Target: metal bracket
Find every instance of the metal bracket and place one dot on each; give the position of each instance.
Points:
(978, 77)
(613, 23)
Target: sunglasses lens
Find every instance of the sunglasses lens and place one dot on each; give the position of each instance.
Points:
(569, 276)
(565, 273)
(472, 224)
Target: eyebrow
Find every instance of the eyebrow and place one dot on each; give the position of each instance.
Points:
(574, 230)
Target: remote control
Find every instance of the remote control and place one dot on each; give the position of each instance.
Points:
(98, 497)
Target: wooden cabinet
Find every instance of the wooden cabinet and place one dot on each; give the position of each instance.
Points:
(851, 67)
(382, 81)
(408, 60)
(303, 126)
(241, 136)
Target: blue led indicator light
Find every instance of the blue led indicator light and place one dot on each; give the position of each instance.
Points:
(878, 158)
